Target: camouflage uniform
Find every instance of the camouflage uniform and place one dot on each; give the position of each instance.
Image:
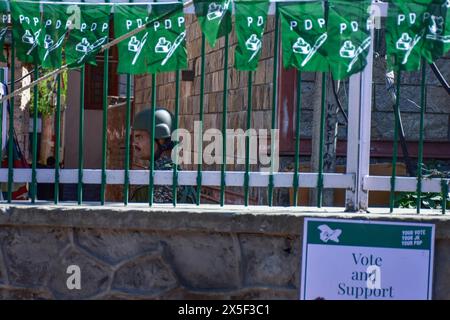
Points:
(163, 194)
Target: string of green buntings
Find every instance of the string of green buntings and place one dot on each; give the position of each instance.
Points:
(316, 35)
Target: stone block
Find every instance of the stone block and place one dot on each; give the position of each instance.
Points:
(185, 294)
(145, 275)
(409, 99)
(441, 270)
(379, 70)
(307, 95)
(113, 246)
(95, 277)
(29, 252)
(308, 76)
(436, 126)
(414, 77)
(271, 261)
(205, 261)
(24, 294)
(438, 100)
(265, 294)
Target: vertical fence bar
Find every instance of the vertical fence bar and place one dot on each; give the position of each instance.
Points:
(247, 140)
(321, 141)
(57, 136)
(297, 137)
(81, 137)
(423, 102)
(2, 79)
(105, 124)
(175, 127)
(11, 121)
(395, 142)
(224, 122)
(200, 136)
(274, 104)
(33, 187)
(444, 192)
(152, 145)
(126, 185)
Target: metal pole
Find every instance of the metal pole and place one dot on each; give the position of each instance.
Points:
(175, 127)
(11, 122)
(274, 105)
(423, 102)
(81, 138)
(297, 137)
(358, 134)
(200, 137)
(57, 137)
(33, 187)
(247, 140)
(224, 123)
(152, 145)
(105, 124)
(126, 185)
(322, 129)
(2, 79)
(444, 191)
(395, 147)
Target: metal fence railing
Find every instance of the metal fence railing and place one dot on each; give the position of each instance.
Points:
(356, 181)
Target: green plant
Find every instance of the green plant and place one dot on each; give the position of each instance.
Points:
(47, 91)
(427, 200)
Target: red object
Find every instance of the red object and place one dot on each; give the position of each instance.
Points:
(20, 191)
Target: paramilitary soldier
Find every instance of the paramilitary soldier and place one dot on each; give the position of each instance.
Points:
(163, 146)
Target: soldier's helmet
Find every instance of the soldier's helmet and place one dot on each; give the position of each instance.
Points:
(164, 120)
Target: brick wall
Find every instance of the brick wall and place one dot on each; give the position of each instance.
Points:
(213, 97)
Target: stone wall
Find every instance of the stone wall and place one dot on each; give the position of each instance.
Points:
(437, 112)
(169, 253)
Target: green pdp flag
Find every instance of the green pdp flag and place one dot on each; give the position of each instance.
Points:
(405, 33)
(251, 17)
(304, 36)
(167, 39)
(87, 35)
(214, 18)
(133, 52)
(3, 27)
(55, 29)
(437, 32)
(27, 30)
(349, 37)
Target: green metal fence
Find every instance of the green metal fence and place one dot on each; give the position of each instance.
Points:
(356, 181)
